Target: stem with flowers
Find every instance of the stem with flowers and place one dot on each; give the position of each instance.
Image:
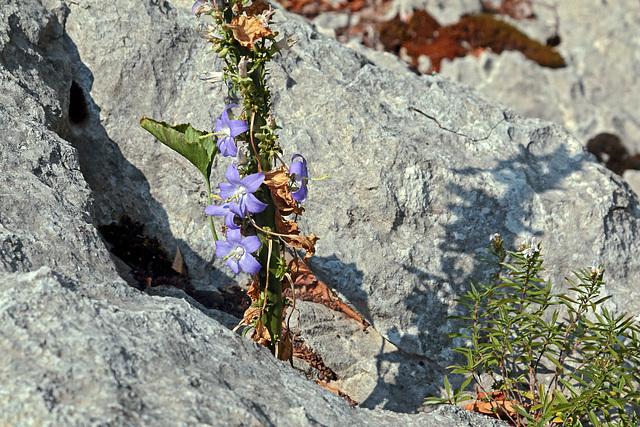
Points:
(260, 202)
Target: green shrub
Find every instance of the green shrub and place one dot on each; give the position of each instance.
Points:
(542, 359)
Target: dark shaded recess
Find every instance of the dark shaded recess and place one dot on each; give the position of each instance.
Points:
(78, 106)
(151, 266)
(610, 151)
(422, 35)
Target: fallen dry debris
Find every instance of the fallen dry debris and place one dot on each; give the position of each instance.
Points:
(495, 405)
(338, 392)
(303, 351)
(309, 288)
(418, 34)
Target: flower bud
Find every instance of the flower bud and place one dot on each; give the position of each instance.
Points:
(242, 67)
(271, 121)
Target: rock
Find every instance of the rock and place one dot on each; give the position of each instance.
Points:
(83, 352)
(79, 345)
(422, 172)
(595, 92)
(421, 175)
(371, 370)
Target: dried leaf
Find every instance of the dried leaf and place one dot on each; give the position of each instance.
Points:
(250, 314)
(261, 335)
(246, 30)
(254, 291)
(497, 406)
(278, 182)
(256, 8)
(179, 266)
(293, 270)
(286, 347)
(303, 242)
(315, 290)
(284, 226)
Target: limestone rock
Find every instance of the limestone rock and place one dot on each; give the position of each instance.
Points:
(78, 345)
(101, 353)
(422, 172)
(597, 90)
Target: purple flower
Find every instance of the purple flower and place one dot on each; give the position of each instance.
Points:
(241, 191)
(201, 7)
(237, 251)
(298, 171)
(227, 130)
(223, 210)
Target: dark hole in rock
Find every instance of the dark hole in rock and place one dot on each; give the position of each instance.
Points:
(78, 107)
(151, 266)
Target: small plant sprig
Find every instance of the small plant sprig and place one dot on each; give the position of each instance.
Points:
(259, 201)
(544, 359)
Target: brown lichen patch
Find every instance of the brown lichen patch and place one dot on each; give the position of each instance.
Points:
(470, 35)
(394, 34)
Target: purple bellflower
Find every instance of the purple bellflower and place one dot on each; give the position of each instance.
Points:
(201, 7)
(223, 210)
(298, 171)
(240, 191)
(237, 252)
(227, 130)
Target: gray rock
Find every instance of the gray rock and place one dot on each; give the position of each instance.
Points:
(596, 92)
(77, 353)
(78, 345)
(421, 175)
(371, 370)
(422, 172)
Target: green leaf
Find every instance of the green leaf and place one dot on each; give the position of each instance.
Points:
(196, 146)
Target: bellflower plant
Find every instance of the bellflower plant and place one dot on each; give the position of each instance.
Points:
(240, 33)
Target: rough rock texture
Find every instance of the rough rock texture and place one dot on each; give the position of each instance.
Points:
(100, 353)
(371, 370)
(422, 172)
(596, 92)
(79, 346)
(422, 175)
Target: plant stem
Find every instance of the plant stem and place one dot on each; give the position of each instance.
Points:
(213, 228)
